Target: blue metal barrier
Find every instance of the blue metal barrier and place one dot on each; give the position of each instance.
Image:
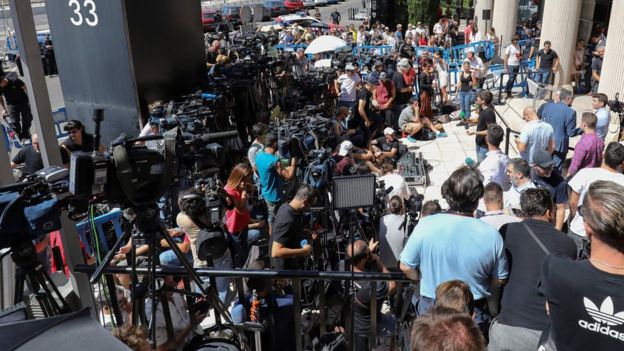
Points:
(455, 55)
(378, 50)
(84, 228)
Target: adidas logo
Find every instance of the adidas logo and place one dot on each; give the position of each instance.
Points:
(605, 318)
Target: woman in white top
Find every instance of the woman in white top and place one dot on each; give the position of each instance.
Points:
(443, 77)
(475, 36)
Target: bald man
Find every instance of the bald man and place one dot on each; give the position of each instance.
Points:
(536, 135)
(30, 156)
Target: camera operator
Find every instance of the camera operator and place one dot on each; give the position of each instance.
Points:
(391, 238)
(192, 219)
(79, 140)
(364, 260)
(286, 239)
(238, 218)
(151, 128)
(272, 173)
(29, 155)
(181, 323)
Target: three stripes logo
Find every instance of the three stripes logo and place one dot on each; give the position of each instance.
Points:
(604, 317)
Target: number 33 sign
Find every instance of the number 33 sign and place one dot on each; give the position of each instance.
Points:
(91, 19)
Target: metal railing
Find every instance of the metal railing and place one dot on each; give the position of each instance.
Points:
(296, 277)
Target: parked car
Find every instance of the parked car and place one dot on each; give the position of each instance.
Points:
(294, 5)
(208, 21)
(276, 8)
(232, 14)
(309, 4)
(320, 2)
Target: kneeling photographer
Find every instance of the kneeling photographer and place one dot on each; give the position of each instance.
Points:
(208, 241)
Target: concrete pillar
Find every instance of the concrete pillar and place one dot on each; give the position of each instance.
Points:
(504, 18)
(561, 28)
(483, 25)
(611, 76)
(587, 19)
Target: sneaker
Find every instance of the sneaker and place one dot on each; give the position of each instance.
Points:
(411, 139)
(442, 135)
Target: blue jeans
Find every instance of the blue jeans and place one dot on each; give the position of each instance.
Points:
(169, 258)
(481, 153)
(543, 76)
(237, 242)
(223, 283)
(465, 102)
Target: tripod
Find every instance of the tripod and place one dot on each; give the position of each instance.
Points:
(149, 231)
(29, 268)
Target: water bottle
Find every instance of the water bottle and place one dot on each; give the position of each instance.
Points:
(255, 307)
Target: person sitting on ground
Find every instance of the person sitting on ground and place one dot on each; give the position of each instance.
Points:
(494, 165)
(168, 257)
(394, 180)
(519, 173)
(386, 146)
(411, 122)
(495, 214)
(444, 329)
(588, 150)
(363, 259)
(523, 315)
(344, 160)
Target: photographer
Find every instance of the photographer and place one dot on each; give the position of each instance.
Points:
(391, 238)
(193, 220)
(364, 260)
(286, 243)
(272, 173)
(238, 218)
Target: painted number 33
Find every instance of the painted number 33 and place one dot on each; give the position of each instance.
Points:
(91, 18)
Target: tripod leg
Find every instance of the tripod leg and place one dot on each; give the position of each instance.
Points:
(187, 266)
(45, 277)
(20, 278)
(109, 257)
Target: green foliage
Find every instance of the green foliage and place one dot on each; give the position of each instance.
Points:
(425, 11)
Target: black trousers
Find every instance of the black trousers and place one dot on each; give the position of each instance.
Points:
(21, 118)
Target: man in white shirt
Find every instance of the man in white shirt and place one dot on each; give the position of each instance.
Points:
(495, 215)
(494, 166)
(610, 170)
(396, 181)
(476, 64)
(519, 173)
(439, 29)
(347, 85)
(361, 36)
(536, 135)
(600, 103)
(512, 64)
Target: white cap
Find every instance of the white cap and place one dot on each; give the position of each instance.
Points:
(388, 131)
(345, 148)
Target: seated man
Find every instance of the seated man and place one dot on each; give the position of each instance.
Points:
(386, 146)
(168, 257)
(411, 123)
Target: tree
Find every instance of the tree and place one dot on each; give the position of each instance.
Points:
(425, 11)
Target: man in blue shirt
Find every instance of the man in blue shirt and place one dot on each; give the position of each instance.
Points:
(599, 104)
(454, 245)
(562, 118)
(272, 173)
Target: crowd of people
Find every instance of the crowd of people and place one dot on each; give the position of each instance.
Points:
(528, 254)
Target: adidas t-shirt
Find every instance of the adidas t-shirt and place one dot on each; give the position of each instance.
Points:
(586, 305)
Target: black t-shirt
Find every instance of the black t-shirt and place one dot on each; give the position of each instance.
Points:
(586, 305)
(425, 83)
(399, 83)
(547, 59)
(486, 117)
(14, 93)
(522, 305)
(361, 307)
(365, 95)
(386, 146)
(287, 230)
(87, 146)
(30, 157)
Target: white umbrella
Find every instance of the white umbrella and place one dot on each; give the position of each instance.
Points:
(323, 63)
(325, 43)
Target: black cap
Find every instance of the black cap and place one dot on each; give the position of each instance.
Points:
(73, 124)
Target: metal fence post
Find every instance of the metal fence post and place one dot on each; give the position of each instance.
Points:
(507, 136)
(297, 310)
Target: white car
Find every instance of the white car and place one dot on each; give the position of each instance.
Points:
(360, 16)
(320, 2)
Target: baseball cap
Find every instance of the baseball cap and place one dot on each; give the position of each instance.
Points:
(383, 76)
(345, 147)
(388, 131)
(372, 79)
(73, 124)
(543, 159)
(349, 67)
